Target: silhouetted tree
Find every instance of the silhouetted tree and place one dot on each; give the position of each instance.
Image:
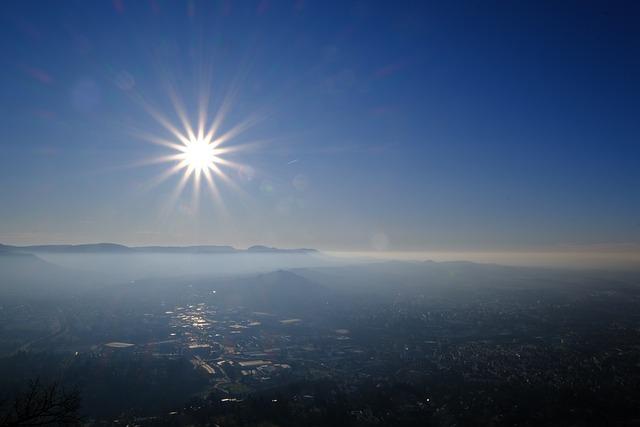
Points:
(41, 405)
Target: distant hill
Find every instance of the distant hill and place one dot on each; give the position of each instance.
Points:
(75, 249)
(207, 249)
(27, 275)
(104, 248)
(266, 249)
(280, 291)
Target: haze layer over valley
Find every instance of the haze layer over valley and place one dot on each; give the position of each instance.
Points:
(189, 335)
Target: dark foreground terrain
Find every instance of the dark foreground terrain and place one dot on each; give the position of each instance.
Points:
(370, 344)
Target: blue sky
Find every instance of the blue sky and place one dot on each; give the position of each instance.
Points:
(383, 125)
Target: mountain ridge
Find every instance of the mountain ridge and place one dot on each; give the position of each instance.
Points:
(117, 248)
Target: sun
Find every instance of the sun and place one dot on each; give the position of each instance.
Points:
(199, 150)
(199, 154)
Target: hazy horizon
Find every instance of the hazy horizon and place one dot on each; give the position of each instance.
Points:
(626, 257)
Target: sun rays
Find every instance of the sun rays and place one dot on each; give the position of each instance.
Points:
(197, 153)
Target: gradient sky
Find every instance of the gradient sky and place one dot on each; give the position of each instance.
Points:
(384, 125)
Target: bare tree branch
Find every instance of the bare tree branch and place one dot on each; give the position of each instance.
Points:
(42, 405)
